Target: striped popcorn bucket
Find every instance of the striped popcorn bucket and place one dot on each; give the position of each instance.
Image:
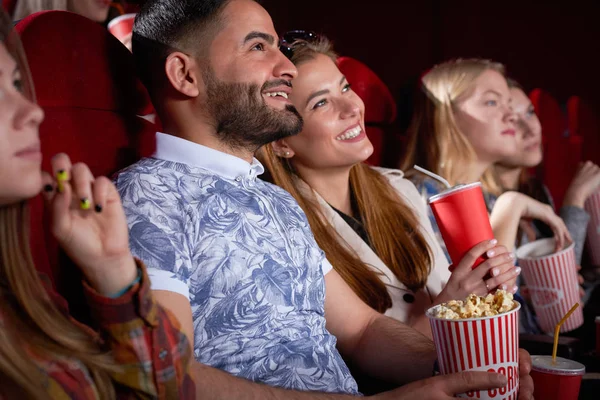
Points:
(480, 344)
(592, 206)
(552, 281)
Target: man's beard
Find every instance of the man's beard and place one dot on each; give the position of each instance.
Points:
(243, 119)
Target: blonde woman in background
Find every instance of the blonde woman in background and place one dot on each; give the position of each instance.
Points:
(463, 124)
(96, 10)
(512, 175)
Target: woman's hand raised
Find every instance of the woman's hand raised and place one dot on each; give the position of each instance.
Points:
(88, 221)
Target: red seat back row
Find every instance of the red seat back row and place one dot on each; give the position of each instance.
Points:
(85, 83)
(380, 107)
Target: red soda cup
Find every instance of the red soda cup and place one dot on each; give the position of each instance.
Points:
(556, 381)
(462, 217)
(122, 28)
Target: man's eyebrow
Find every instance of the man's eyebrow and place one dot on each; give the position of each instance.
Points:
(259, 35)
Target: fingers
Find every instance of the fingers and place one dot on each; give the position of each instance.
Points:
(61, 168)
(525, 381)
(505, 281)
(103, 190)
(500, 261)
(561, 233)
(82, 180)
(524, 362)
(526, 388)
(499, 268)
(70, 187)
(61, 200)
(466, 264)
(48, 187)
(472, 380)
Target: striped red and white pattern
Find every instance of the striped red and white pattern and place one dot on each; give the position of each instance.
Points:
(484, 344)
(552, 282)
(592, 206)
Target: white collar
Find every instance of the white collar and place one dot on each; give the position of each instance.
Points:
(176, 149)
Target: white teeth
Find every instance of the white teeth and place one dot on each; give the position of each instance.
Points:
(350, 134)
(275, 94)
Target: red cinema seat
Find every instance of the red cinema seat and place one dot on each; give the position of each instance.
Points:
(380, 107)
(9, 6)
(559, 165)
(584, 123)
(85, 82)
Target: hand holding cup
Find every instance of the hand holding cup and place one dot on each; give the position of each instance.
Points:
(495, 273)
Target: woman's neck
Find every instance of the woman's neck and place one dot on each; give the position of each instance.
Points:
(474, 171)
(509, 176)
(332, 185)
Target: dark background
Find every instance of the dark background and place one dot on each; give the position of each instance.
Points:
(551, 45)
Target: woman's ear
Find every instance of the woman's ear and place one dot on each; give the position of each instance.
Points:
(282, 149)
(183, 73)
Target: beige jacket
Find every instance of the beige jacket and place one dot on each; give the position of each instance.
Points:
(407, 305)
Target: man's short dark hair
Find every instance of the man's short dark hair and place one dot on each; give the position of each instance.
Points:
(163, 26)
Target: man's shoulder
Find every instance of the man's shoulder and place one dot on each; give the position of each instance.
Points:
(149, 165)
(136, 170)
(270, 187)
(279, 195)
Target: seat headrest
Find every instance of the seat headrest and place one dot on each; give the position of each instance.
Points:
(85, 66)
(549, 112)
(9, 6)
(380, 106)
(581, 117)
(584, 122)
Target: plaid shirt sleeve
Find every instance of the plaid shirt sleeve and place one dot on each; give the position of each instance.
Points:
(146, 342)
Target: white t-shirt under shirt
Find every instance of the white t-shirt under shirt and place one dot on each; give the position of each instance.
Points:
(242, 251)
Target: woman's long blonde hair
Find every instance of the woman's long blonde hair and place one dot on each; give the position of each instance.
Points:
(392, 227)
(24, 8)
(435, 141)
(31, 325)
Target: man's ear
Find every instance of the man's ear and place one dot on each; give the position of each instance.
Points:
(183, 73)
(282, 149)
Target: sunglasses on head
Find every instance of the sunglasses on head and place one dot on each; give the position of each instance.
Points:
(292, 39)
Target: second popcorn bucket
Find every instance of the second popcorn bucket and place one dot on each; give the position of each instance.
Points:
(488, 343)
(551, 278)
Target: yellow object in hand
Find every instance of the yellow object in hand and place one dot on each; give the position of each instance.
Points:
(61, 176)
(85, 204)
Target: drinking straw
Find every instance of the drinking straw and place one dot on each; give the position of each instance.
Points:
(557, 330)
(434, 176)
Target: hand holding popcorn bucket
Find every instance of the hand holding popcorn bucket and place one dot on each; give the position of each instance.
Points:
(486, 342)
